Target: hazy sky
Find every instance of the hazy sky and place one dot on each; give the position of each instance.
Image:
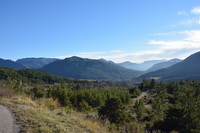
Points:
(117, 30)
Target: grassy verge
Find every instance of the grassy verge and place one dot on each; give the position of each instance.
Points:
(45, 115)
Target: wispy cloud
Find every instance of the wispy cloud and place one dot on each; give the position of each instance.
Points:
(195, 10)
(94, 54)
(182, 44)
(182, 12)
(121, 56)
(191, 40)
(116, 51)
(85, 54)
(191, 21)
(192, 35)
(192, 17)
(173, 33)
(180, 48)
(190, 43)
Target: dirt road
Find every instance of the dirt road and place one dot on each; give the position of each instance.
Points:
(7, 121)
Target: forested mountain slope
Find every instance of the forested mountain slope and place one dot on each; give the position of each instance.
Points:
(81, 68)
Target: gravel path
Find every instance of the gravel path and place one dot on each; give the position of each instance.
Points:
(7, 121)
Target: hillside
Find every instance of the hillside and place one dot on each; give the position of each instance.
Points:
(57, 108)
(186, 69)
(35, 63)
(11, 64)
(45, 115)
(81, 68)
(39, 77)
(29, 76)
(162, 65)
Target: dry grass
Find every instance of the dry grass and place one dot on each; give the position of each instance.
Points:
(45, 115)
(6, 92)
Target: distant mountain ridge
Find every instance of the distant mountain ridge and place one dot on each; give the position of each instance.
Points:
(140, 66)
(162, 65)
(35, 63)
(111, 62)
(186, 69)
(81, 68)
(11, 64)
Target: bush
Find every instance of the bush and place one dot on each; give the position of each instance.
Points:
(112, 127)
(84, 107)
(49, 103)
(114, 111)
(135, 92)
(37, 92)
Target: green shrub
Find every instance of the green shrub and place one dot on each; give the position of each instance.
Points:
(84, 107)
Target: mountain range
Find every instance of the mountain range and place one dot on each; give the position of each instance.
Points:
(140, 66)
(162, 65)
(186, 69)
(82, 68)
(76, 67)
(11, 64)
(35, 63)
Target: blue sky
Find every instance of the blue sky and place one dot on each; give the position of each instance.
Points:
(117, 30)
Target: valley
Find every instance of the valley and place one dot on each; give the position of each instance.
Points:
(99, 66)
(136, 102)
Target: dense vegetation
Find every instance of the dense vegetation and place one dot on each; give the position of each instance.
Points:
(175, 106)
(163, 107)
(36, 77)
(28, 76)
